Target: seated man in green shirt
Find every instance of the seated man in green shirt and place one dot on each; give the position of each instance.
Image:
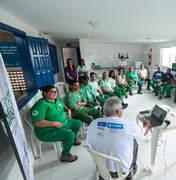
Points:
(52, 122)
(76, 101)
(88, 93)
(96, 89)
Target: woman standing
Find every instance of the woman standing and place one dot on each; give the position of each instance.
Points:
(82, 70)
(70, 71)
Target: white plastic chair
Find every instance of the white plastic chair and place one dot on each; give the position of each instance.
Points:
(62, 89)
(56, 145)
(102, 170)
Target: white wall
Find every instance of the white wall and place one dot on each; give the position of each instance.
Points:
(106, 54)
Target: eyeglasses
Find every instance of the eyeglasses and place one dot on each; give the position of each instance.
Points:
(53, 92)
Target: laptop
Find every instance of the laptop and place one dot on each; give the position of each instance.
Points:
(157, 116)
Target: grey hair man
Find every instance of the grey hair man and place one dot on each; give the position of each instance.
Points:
(115, 136)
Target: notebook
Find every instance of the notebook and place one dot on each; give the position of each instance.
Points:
(157, 116)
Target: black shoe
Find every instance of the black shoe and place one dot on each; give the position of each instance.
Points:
(156, 94)
(139, 92)
(124, 105)
(126, 96)
(161, 97)
(135, 169)
(167, 96)
(68, 158)
(77, 142)
(148, 89)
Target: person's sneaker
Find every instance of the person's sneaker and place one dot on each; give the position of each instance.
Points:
(148, 89)
(124, 105)
(139, 92)
(167, 96)
(156, 94)
(161, 97)
(126, 96)
(68, 158)
(77, 142)
(130, 94)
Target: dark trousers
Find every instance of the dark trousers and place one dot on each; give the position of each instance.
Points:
(133, 163)
(148, 82)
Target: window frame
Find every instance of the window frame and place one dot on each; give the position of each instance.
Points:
(171, 56)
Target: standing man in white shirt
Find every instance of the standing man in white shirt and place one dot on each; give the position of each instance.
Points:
(122, 64)
(144, 76)
(115, 136)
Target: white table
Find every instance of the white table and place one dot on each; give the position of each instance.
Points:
(156, 131)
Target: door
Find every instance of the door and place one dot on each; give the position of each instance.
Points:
(40, 57)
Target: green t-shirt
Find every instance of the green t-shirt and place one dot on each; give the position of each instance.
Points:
(87, 92)
(106, 84)
(95, 87)
(113, 82)
(50, 111)
(132, 76)
(72, 98)
(82, 69)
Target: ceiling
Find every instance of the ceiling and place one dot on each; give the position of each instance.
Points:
(112, 21)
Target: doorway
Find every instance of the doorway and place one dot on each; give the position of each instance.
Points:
(71, 52)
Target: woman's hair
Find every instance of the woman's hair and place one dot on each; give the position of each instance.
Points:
(111, 73)
(104, 74)
(119, 70)
(111, 106)
(70, 59)
(46, 89)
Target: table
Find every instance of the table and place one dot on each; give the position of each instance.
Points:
(156, 131)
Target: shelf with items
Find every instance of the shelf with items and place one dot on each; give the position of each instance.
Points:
(123, 56)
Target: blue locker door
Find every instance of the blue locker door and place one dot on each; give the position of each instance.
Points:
(40, 58)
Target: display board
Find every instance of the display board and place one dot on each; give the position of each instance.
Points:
(11, 118)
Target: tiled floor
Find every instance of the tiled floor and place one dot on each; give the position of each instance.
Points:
(50, 168)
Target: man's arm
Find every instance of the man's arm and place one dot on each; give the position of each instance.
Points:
(45, 123)
(66, 109)
(146, 125)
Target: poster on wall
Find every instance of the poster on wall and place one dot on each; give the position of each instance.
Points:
(11, 118)
(8, 48)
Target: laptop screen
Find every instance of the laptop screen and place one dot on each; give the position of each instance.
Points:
(159, 113)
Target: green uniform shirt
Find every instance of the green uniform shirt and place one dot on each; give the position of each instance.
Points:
(113, 82)
(72, 98)
(83, 69)
(132, 76)
(50, 111)
(87, 92)
(106, 84)
(95, 87)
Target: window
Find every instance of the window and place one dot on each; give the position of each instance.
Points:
(168, 56)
